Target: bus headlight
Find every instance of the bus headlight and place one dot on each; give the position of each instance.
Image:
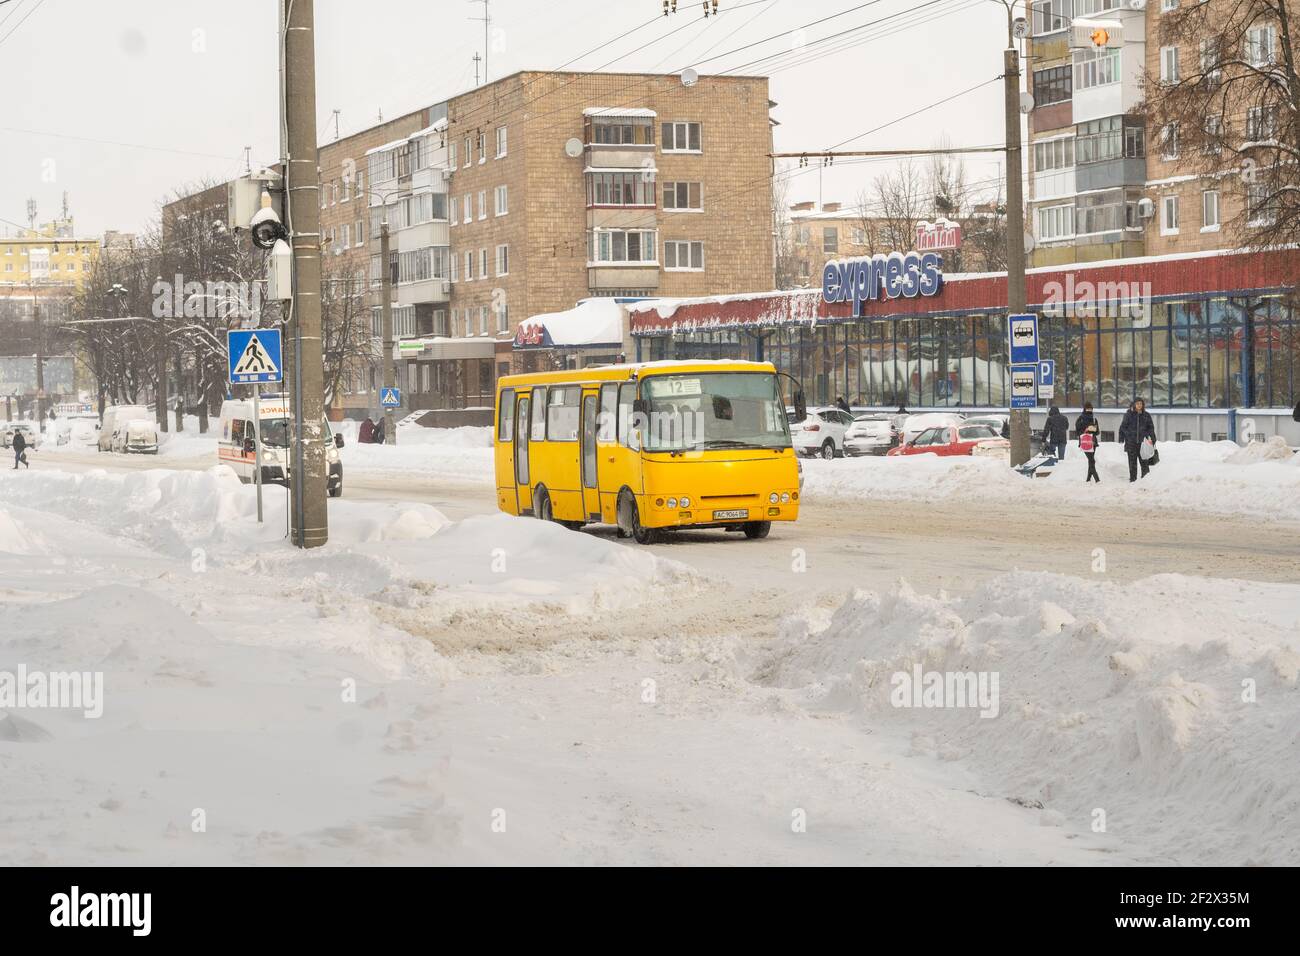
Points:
(685, 502)
(785, 497)
(672, 502)
(774, 497)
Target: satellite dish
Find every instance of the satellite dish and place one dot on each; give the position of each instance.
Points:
(1030, 243)
(690, 77)
(1026, 102)
(573, 148)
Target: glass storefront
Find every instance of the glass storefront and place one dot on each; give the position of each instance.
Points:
(1215, 352)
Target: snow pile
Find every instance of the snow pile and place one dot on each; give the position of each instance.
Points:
(1170, 704)
(462, 455)
(1192, 476)
(1274, 449)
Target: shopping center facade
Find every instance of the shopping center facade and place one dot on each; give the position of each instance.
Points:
(1199, 336)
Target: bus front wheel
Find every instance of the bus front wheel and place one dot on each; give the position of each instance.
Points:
(757, 529)
(629, 521)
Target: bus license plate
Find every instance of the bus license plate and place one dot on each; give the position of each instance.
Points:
(738, 513)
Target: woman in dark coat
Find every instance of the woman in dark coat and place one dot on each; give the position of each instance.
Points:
(1136, 427)
(1086, 425)
(366, 433)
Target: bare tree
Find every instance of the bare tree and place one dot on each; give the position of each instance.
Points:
(1231, 109)
(901, 200)
(785, 257)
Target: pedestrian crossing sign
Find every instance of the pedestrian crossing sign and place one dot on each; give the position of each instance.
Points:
(255, 356)
(390, 397)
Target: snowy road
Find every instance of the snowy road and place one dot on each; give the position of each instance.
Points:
(719, 705)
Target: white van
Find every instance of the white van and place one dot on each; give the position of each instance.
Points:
(128, 428)
(235, 442)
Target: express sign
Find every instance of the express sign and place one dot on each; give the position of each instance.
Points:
(882, 277)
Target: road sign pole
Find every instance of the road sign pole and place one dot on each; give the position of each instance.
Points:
(257, 447)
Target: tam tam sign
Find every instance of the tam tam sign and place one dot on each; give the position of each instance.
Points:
(934, 236)
(892, 276)
(532, 335)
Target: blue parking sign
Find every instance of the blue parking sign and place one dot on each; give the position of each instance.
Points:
(255, 356)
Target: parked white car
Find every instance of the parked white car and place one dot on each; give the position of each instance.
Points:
(998, 422)
(821, 433)
(915, 424)
(30, 435)
(870, 434)
(116, 416)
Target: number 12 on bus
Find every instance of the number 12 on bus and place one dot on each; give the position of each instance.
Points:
(649, 448)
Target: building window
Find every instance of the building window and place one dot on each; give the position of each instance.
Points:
(1169, 64)
(1210, 58)
(455, 263)
(681, 138)
(1260, 43)
(621, 130)
(1056, 222)
(621, 245)
(683, 256)
(1054, 154)
(1093, 68)
(482, 146)
(483, 319)
(830, 240)
(451, 154)
(621, 189)
(359, 232)
(503, 260)
(468, 145)
(482, 203)
(502, 205)
(503, 315)
(483, 264)
(682, 196)
(1213, 136)
(1261, 205)
(1050, 16)
(345, 235)
(1261, 123)
(1167, 5)
(468, 209)
(1209, 210)
(501, 142)
(1087, 8)
(1053, 85)
(1169, 216)
(1169, 141)
(469, 266)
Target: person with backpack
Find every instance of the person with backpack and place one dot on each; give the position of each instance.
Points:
(20, 449)
(1056, 433)
(1136, 428)
(1085, 426)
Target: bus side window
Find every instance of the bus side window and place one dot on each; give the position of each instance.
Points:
(626, 432)
(608, 414)
(506, 426)
(537, 431)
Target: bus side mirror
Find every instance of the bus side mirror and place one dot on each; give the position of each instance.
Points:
(338, 441)
(800, 405)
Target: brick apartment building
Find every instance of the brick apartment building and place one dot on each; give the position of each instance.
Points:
(529, 194)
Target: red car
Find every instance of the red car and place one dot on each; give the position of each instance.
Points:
(952, 440)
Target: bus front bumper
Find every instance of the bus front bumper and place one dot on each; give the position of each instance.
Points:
(717, 513)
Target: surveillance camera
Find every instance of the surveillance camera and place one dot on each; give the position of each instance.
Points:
(266, 228)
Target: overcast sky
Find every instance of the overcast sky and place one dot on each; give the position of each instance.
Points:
(118, 103)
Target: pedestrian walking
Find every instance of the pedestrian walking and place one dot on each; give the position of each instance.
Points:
(366, 433)
(20, 449)
(1085, 426)
(1056, 433)
(379, 433)
(1137, 428)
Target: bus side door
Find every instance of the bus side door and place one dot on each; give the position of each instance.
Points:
(504, 457)
(618, 449)
(590, 455)
(523, 420)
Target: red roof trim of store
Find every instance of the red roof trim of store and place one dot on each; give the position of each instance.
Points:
(1194, 274)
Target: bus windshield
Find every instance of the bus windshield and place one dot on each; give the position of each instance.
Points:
(711, 410)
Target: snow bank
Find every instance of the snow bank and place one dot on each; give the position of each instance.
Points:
(1170, 704)
(1214, 477)
(461, 455)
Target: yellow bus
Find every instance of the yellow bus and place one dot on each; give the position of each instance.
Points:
(648, 447)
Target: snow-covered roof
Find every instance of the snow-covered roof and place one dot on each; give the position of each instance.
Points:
(621, 169)
(618, 111)
(393, 145)
(591, 322)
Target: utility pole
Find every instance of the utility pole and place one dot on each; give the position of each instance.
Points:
(1015, 224)
(487, 22)
(309, 520)
(40, 368)
(386, 290)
